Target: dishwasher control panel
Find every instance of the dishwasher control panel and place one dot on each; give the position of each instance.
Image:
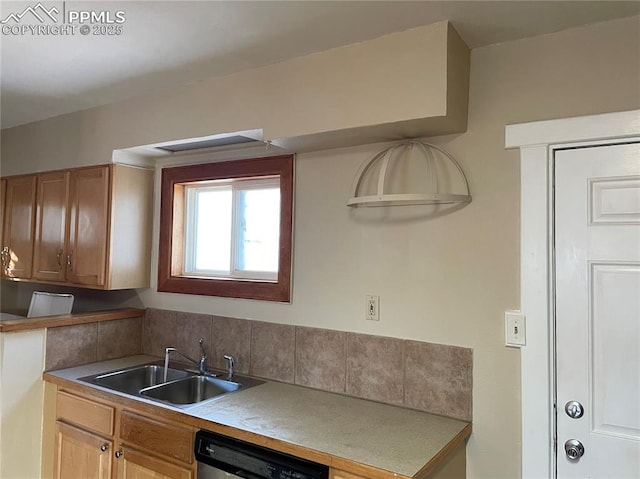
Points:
(215, 452)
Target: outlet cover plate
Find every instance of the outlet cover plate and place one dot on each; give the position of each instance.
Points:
(372, 307)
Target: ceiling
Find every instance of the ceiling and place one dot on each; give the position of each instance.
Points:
(169, 43)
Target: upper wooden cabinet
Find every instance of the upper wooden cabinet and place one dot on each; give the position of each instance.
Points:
(92, 227)
(18, 230)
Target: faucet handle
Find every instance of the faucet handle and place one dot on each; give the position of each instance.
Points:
(201, 343)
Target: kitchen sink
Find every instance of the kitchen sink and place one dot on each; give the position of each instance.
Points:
(131, 381)
(190, 390)
(182, 388)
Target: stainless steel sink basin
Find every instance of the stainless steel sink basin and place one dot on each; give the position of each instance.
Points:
(190, 390)
(131, 381)
(182, 388)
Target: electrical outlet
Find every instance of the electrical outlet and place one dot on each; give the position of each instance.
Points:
(372, 308)
(515, 329)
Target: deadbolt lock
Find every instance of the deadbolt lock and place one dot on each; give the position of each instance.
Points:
(574, 409)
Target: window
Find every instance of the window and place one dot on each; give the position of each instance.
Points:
(233, 228)
(225, 229)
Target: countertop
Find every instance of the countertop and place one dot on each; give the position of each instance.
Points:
(26, 324)
(390, 440)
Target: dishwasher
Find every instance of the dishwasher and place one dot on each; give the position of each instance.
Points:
(220, 457)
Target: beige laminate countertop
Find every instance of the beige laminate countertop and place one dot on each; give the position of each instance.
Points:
(26, 324)
(391, 440)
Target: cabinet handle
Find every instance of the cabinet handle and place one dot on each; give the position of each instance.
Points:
(104, 447)
(119, 454)
(59, 259)
(4, 255)
(70, 261)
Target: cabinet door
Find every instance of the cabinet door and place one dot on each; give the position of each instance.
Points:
(81, 454)
(88, 226)
(17, 244)
(137, 465)
(3, 189)
(49, 256)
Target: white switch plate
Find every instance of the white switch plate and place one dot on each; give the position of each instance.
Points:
(372, 308)
(515, 329)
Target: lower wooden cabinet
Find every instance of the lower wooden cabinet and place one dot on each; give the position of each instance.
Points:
(96, 439)
(81, 454)
(140, 465)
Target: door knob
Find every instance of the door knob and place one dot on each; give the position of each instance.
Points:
(119, 454)
(574, 409)
(574, 449)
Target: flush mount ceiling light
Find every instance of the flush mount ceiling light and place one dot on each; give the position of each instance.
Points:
(399, 170)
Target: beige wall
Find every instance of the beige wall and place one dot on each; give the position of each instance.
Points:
(394, 78)
(15, 297)
(447, 279)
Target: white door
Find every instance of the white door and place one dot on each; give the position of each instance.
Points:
(597, 274)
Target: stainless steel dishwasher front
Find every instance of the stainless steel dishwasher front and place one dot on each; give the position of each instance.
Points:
(221, 457)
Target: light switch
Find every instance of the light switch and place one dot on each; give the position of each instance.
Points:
(515, 328)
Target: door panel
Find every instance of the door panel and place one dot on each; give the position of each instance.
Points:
(80, 454)
(614, 349)
(3, 189)
(49, 257)
(89, 205)
(597, 276)
(17, 244)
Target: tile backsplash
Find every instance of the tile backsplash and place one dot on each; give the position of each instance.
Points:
(429, 377)
(69, 346)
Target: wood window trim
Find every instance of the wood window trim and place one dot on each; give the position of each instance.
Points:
(171, 229)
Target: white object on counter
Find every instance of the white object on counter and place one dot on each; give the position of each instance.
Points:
(49, 304)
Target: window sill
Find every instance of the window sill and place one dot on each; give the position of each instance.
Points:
(228, 288)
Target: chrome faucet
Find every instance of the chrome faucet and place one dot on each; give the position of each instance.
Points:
(201, 363)
(229, 367)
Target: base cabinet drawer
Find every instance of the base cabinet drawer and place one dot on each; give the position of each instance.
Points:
(88, 415)
(157, 437)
